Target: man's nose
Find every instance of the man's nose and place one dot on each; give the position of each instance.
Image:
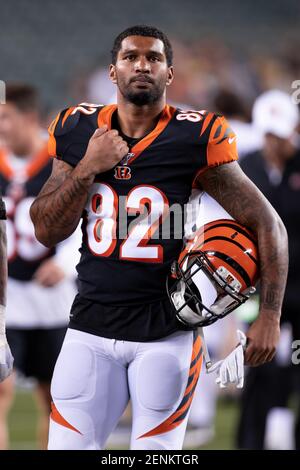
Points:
(142, 65)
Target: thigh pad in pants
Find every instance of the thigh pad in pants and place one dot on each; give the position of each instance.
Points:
(74, 375)
(160, 381)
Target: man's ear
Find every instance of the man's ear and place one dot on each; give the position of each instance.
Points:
(112, 73)
(170, 75)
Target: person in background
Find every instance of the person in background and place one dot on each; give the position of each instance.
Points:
(276, 171)
(41, 283)
(6, 359)
(249, 139)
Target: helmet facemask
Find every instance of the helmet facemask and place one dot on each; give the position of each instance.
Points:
(201, 293)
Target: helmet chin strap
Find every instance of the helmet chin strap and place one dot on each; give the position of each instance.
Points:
(208, 362)
(192, 317)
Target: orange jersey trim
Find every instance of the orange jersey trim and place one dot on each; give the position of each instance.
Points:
(221, 147)
(205, 122)
(38, 162)
(33, 167)
(164, 120)
(59, 419)
(67, 114)
(5, 169)
(52, 140)
(105, 115)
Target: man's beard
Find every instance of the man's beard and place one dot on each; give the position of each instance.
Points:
(142, 97)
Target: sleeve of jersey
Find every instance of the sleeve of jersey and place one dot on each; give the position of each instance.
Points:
(221, 145)
(68, 136)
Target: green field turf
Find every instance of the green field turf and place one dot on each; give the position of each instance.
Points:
(22, 422)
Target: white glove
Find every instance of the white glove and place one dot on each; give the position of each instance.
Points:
(231, 369)
(6, 359)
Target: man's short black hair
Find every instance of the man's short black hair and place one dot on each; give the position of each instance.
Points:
(142, 30)
(22, 95)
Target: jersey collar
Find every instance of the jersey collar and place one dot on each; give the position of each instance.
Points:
(105, 117)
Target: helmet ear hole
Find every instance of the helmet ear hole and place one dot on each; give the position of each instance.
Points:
(175, 273)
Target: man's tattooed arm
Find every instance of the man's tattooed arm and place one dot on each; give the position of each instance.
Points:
(57, 209)
(228, 185)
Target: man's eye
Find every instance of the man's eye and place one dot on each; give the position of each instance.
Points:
(154, 59)
(130, 57)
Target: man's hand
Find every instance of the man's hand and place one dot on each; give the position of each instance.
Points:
(49, 274)
(105, 150)
(231, 369)
(262, 338)
(6, 359)
(58, 208)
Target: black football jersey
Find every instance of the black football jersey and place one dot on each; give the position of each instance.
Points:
(133, 220)
(19, 188)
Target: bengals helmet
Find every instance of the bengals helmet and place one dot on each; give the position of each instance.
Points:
(216, 272)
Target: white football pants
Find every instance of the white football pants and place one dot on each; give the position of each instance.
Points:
(95, 377)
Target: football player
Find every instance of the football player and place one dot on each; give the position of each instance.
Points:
(6, 359)
(40, 282)
(135, 163)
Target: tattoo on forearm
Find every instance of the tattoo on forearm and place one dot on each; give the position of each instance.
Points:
(271, 298)
(245, 203)
(64, 205)
(58, 207)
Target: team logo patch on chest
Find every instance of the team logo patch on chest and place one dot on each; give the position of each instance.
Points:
(122, 172)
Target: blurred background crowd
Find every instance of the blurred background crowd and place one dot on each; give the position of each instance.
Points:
(238, 58)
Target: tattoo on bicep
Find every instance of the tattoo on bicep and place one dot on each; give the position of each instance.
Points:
(224, 184)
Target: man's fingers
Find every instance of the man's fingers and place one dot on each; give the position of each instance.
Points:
(224, 375)
(251, 354)
(123, 148)
(266, 356)
(255, 356)
(254, 359)
(100, 131)
(114, 133)
(232, 375)
(271, 355)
